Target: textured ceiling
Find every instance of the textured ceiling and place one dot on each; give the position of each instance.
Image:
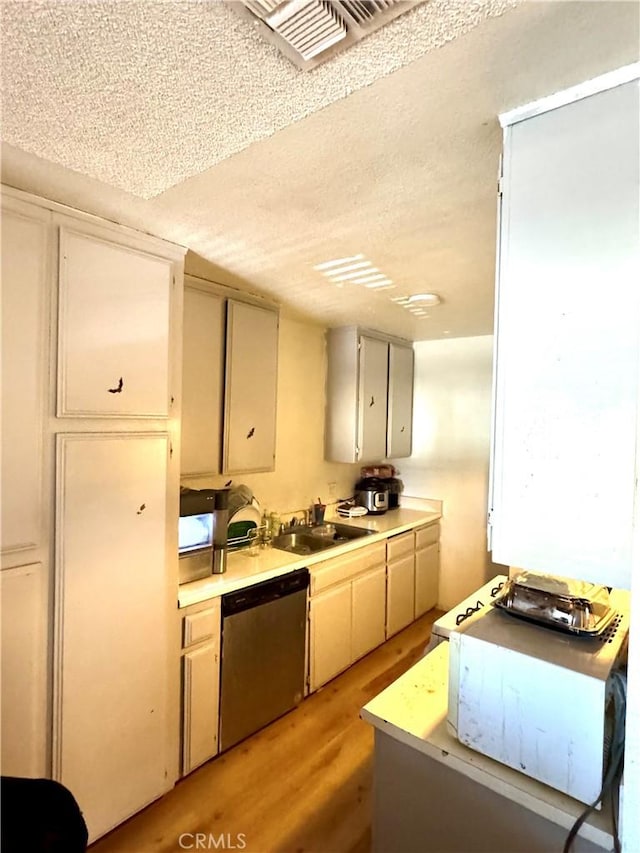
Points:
(142, 95)
(403, 169)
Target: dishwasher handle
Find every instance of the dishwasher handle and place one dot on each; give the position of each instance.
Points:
(262, 593)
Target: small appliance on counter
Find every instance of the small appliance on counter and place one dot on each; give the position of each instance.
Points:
(202, 533)
(348, 509)
(373, 494)
(538, 698)
(395, 487)
(387, 474)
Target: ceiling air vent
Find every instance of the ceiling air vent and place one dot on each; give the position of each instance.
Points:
(308, 32)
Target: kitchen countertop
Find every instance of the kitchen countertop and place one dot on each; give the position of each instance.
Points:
(243, 569)
(413, 711)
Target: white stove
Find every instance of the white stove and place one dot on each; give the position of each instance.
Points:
(472, 604)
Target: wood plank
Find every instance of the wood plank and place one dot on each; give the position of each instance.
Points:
(301, 784)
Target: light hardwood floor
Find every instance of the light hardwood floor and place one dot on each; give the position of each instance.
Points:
(301, 785)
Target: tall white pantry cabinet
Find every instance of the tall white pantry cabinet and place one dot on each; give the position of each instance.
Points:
(91, 316)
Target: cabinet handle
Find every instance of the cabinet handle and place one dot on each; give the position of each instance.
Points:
(402, 429)
(251, 432)
(372, 403)
(118, 388)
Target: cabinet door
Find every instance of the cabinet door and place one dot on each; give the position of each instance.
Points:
(400, 407)
(202, 382)
(567, 341)
(113, 346)
(112, 746)
(23, 597)
(25, 246)
(201, 679)
(400, 594)
(368, 612)
(250, 388)
(330, 634)
(427, 578)
(372, 399)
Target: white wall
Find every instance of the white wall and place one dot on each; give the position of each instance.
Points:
(450, 460)
(301, 475)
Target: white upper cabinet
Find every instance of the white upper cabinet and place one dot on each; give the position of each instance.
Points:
(372, 399)
(369, 396)
(567, 330)
(251, 378)
(202, 382)
(400, 401)
(114, 322)
(25, 260)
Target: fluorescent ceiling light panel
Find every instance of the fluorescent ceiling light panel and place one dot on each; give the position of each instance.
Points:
(328, 264)
(354, 275)
(355, 269)
(347, 268)
(378, 276)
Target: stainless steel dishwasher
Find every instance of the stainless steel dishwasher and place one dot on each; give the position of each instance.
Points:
(263, 654)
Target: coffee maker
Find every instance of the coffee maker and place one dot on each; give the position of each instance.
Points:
(202, 533)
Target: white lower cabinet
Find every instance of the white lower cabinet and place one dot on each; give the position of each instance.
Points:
(200, 684)
(330, 634)
(400, 582)
(427, 568)
(23, 687)
(115, 676)
(368, 612)
(346, 611)
(360, 599)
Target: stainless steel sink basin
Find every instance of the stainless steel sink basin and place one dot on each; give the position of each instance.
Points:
(308, 540)
(301, 543)
(340, 532)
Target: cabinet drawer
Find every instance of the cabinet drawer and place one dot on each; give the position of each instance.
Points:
(398, 546)
(427, 536)
(326, 574)
(201, 626)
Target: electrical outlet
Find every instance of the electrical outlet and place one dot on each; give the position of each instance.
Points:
(332, 490)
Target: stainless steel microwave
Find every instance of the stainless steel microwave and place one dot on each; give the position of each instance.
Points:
(195, 534)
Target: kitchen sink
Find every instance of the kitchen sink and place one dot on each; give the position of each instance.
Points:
(308, 540)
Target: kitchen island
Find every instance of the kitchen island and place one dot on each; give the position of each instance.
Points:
(431, 793)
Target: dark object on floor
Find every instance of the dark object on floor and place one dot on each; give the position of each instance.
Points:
(40, 816)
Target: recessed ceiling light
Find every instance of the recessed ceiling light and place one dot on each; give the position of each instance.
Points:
(417, 302)
(424, 299)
